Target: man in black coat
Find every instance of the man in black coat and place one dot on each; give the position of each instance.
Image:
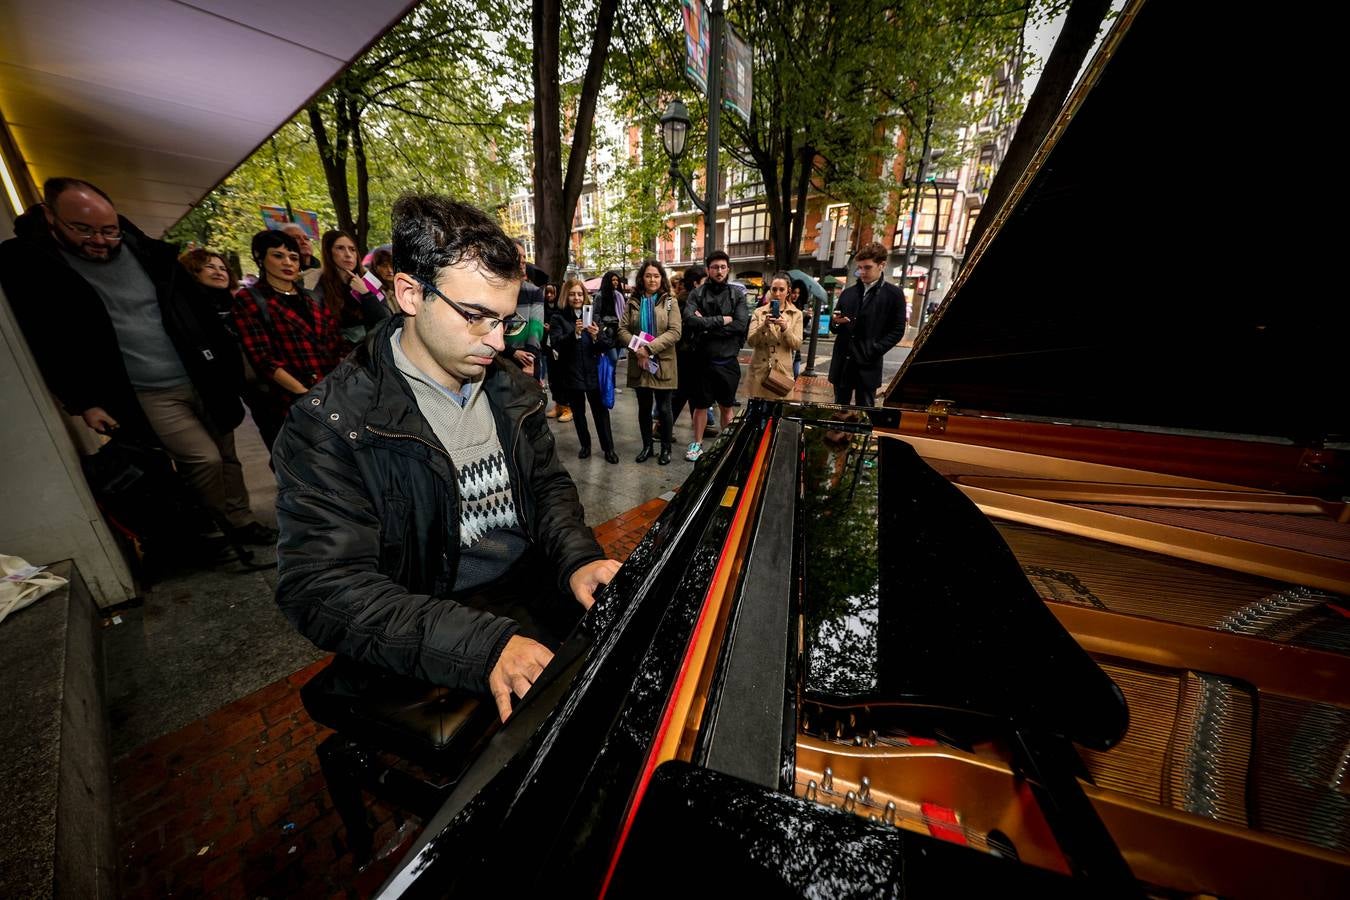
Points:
(868, 321)
(110, 316)
(421, 501)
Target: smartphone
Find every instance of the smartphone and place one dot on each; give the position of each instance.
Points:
(773, 309)
(586, 316)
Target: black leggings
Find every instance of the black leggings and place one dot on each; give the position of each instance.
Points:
(577, 400)
(662, 397)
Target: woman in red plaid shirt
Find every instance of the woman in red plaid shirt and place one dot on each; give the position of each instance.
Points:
(291, 338)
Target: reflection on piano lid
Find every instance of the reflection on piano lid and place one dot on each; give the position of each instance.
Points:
(1119, 285)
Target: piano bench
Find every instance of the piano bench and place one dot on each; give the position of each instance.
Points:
(403, 740)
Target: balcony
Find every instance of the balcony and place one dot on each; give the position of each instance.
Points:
(749, 250)
(673, 256)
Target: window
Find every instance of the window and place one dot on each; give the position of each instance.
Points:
(750, 223)
(923, 236)
(588, 208)
(971, 216)
(686, 243)
(984, 169)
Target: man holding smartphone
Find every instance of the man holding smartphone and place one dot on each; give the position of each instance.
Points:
(868, 322)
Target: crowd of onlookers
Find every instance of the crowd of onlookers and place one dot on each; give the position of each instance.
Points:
(137, 339)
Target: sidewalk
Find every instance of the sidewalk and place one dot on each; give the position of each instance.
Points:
(234, 805)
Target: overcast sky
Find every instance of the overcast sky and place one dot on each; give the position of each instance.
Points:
(1041, 38)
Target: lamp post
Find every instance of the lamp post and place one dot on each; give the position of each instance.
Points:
(675, 131)
(932, 263)
(927, 158)
(829, 283)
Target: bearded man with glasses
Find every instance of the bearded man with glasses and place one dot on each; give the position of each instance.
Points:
(122, 342)
(421, 502)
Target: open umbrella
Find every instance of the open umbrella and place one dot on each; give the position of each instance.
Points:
(373, 250)
(814, 286)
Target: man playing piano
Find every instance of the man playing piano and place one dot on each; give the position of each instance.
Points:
(421, 504)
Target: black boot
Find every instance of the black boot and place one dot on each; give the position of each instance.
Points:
(645, 455)
(664, 458)
(583, 452)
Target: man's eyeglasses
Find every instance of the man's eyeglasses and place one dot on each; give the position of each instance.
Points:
(481, 323)
(109, 232)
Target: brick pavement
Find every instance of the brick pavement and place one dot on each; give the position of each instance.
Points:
(234, 805)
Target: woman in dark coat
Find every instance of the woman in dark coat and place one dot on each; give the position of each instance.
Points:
(574, 375)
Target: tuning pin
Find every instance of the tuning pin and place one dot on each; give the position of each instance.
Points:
(827, 779)
(812, 790)
(872, 738)
(852, 720)
(857, 740)
(838, 729)
(865, 788)
(888, 814)
(850, 801)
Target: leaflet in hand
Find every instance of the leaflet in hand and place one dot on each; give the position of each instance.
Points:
(641, 340)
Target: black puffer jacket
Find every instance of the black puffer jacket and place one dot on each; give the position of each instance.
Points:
(703, 326)
(368, 507)
(73, 340)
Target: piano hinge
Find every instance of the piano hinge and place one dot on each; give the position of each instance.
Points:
(937, 415)
(1315, 461)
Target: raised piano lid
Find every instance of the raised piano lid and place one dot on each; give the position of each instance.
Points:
(1145, 272)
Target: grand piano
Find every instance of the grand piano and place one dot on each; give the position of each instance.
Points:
(1068, 615)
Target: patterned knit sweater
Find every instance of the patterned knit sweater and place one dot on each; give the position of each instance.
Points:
(490, 536)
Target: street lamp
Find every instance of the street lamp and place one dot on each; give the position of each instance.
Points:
(932, 262)
(675, 129)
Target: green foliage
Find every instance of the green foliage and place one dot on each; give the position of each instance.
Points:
(405, 102)
(833, 84)
(632, 217)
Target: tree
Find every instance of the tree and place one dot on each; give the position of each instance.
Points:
(556, 195)
(1082, 22)
(407, 77)
(833, 84)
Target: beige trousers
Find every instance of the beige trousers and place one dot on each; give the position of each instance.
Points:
(205, 460)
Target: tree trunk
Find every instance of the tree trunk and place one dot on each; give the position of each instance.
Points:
(1075, 39)
(333, 156)
(361, 229)
(550, 237)
(555, 199)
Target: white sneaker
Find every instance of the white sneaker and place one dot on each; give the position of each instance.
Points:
(694, 452)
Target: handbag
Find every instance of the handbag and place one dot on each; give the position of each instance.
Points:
(778, 381)
(22, 584)
(605, 371)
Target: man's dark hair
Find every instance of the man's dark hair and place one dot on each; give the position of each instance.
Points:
(875, 251)
(432, 232)
(692, 276)
(267, 239)
(53, 188)
(716, 255)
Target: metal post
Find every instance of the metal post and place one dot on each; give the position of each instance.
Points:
(914, 208)
(815, 329)
(717, 23)
(932, 264)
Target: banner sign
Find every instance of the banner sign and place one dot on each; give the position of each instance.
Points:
(274, 218)
(737, 74)
(696, 42)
